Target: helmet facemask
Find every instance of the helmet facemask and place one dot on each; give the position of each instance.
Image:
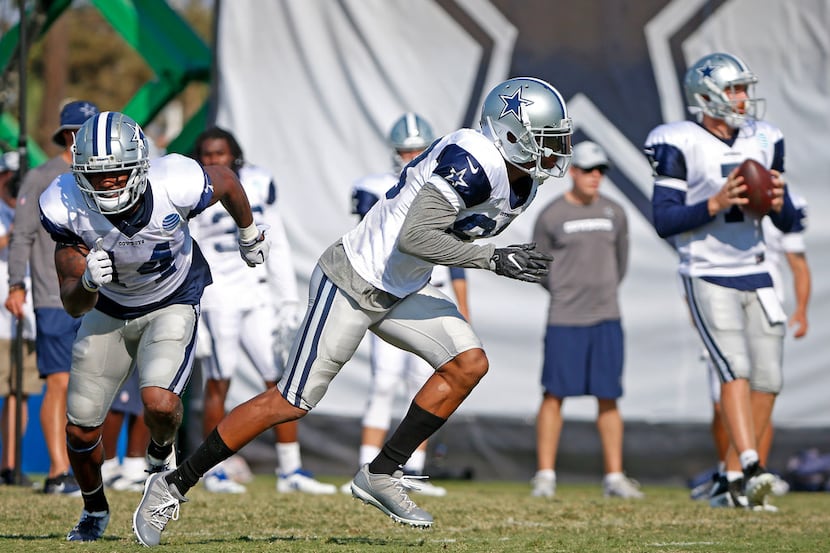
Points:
(114, 201)
(534, 145)
(111, 142)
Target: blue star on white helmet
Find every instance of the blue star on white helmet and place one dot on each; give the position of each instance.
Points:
(706, 70)
(513, 104)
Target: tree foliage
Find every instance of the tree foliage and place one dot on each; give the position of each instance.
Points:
(100, 66)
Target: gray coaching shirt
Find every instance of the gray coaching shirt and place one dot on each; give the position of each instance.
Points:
(590, 249)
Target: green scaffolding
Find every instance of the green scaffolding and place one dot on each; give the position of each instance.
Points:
(160, 36)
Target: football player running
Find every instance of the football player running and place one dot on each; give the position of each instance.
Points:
(467, 185)
(390, 365)
(243, 325)
(127, 264)
(697, 206)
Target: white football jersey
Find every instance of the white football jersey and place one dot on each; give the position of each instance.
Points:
(155, 261)
(471, 174)
(235, 285)
(689, 159)
(367, 191)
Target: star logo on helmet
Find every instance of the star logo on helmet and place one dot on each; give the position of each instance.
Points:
(706, 70)
(513, 104)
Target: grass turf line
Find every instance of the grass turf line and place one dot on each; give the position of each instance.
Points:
(473, 517)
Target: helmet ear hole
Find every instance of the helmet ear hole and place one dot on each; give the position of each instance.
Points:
(512, 138)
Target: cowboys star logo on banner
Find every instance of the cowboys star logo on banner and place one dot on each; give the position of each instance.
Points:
(513, 104)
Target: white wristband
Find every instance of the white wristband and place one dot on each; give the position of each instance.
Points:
(88, 286)
(248, 234)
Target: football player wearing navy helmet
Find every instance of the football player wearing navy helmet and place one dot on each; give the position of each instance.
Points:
(465, 186)
(127, 265)
(696, 204)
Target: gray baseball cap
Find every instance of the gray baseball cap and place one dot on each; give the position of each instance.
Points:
(587, 155)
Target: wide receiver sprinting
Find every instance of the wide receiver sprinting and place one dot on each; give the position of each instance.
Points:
(389, 365)
(127, 263)
(465, 186)
(697, 205)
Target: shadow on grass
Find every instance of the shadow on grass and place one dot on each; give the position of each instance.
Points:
(53, 536)
(335, 540)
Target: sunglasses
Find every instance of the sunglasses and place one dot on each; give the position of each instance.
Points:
(601, 168)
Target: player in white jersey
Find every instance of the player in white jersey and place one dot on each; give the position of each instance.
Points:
(781, 248)
(466, 185)
(243, 326)
(697, 206)
(390, 366)
(127, 264)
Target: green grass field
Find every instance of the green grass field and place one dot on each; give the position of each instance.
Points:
(473, 517)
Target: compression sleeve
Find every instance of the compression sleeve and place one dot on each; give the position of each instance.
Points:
(425, 233)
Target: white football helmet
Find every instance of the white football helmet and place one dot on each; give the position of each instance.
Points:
(707, 82)
(528, 121)
(111, 142)
(410, 133)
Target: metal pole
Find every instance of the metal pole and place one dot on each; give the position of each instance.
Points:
(23, 155)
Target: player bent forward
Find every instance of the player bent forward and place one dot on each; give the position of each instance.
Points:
(126, 262)
(467, 185)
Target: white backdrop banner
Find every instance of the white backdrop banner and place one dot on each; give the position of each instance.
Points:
(311, 88)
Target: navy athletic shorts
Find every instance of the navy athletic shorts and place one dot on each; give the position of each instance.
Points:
(584, 360)
(56, 331)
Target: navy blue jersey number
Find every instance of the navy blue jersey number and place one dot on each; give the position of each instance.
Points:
(161, 261)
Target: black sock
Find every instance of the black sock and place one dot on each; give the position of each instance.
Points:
(159, 452)
(416, 426)
(95, 501)
(212, 452)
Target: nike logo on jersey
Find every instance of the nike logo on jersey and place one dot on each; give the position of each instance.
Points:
(473, 168)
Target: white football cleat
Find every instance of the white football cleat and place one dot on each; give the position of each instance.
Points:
(302, 481)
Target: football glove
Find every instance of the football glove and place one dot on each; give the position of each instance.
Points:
(256, 251)
(520, 261)
(290, 317)
(98, 268)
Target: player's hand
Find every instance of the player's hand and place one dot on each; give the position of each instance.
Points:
(98, 268)
(256, 251)
(15, 302)
(730, 194)
(520, 261)
(289, 319)
(777, 191)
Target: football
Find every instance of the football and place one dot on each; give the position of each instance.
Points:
(758, 181)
